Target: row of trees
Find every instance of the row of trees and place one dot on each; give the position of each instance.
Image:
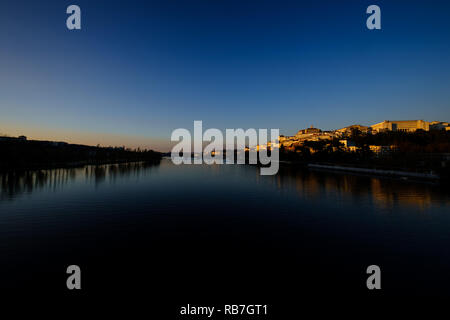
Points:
(17, 154)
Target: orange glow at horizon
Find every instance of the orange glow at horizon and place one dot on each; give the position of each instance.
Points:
(87, 138)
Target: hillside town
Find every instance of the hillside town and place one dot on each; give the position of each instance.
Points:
(344, 135)
(418, 147)
(302, 138)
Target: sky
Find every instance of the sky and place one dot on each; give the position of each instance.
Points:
(137, 70)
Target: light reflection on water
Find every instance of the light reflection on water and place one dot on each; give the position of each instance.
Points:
(384, 193)
(13, 184)
(118, 214)
(380, 192)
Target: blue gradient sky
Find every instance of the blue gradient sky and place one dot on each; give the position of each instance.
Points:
(139, 69)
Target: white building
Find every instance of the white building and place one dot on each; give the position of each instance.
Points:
(402, 125)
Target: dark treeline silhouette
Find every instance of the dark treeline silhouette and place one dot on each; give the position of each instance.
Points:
(420, 151)
(16, 153)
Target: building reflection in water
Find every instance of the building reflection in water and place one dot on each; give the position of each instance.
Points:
(13, 184)
(382, 192)
(326, 187)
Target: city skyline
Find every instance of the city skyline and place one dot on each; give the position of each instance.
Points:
(134, 73)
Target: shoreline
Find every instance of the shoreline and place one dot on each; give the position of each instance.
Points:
(390, 173)
(376, 172)
(74, 164)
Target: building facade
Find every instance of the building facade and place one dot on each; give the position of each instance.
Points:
(439, 125)
(402, 125)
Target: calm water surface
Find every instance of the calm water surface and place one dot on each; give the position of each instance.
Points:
(169, 229)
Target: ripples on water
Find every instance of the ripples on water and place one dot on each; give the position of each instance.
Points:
(381, 192)
(14, 184)
(193, 222)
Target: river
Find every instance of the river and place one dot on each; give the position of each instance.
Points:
(192, 232)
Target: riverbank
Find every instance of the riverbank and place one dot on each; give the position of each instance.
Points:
(16, 154)
(378, 172)
(75, 164)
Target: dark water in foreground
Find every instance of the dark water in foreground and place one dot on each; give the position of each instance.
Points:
(222, 234)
